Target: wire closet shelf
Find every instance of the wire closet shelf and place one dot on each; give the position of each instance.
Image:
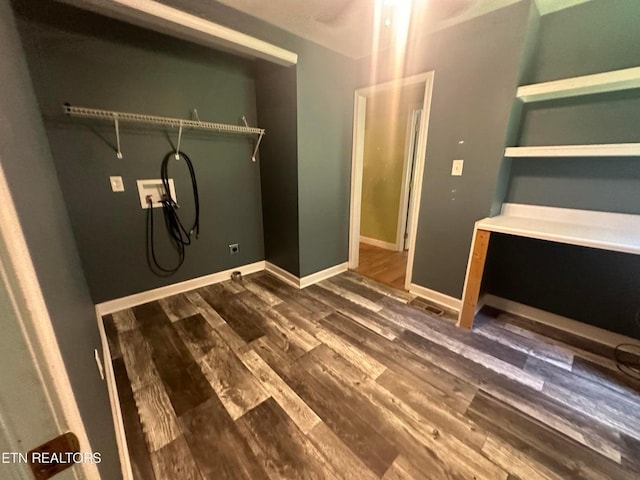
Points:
(180, 123)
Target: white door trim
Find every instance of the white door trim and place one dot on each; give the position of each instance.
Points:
(407, 177)
(357, 163)
(33, 319)
(357, 160)
(114, 401)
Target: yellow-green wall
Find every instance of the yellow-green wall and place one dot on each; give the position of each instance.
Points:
(385, 141)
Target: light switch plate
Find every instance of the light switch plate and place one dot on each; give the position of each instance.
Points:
(456, 168)
(116, 184)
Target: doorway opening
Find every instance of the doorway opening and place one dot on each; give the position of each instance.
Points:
(389, 147)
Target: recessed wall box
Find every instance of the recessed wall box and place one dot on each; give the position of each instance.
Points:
(154, 188)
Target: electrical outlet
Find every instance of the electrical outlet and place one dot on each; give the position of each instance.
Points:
(116, 184)
(233, 248)
(456, 168)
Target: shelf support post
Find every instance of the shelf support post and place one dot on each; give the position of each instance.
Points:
(473, 282)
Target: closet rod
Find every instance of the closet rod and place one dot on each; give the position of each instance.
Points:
(154, 120)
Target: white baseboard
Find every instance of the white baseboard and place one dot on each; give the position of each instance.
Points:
(436, 297)
(323, 274)
(379, 243)
(291, 279)
(118, 304)
(282, 274)
(558, 321)
(114, 401)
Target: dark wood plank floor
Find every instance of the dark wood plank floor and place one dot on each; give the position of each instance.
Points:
(382, 265)
(346, 380)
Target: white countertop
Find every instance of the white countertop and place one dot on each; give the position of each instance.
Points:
(604, 230)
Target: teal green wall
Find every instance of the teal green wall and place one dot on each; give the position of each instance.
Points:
(325, 81)
(596, 36)
(325, 113)
(593, 286)
(277, 114)
(88, 60)
(597, 287)
(477, 66)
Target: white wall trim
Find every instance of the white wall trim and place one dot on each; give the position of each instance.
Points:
(282, 274)
(136, 299)
(397, 83)
(118, 304)
(420, 160)
(114, 400)
(323, 274)
(378, 243)
(177, 23)
(296, 282)
(436, 297)
(407, 177)
(558, 321)
(357, 166)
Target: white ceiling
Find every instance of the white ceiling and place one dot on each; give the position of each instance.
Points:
(346, 26)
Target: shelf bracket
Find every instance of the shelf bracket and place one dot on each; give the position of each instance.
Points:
(177, 155)
(117, 127)
(118, 117)
(255, 149)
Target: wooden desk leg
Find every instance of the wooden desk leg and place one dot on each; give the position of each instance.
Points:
(473, 281)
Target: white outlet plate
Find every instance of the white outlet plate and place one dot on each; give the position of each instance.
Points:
(154, 188)
(456, 168)
(116, 184)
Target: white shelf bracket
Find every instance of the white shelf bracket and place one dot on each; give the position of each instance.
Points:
(177, 155)
(118, 117)
(117, 127)
(255, 149)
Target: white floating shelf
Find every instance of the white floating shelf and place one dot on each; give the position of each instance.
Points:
(616, 80)
(600, 150)
(603, 230)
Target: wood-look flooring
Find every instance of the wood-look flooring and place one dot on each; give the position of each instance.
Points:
(344, 379)
(382, 265)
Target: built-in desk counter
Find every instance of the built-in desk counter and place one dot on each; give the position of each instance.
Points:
(604, 230)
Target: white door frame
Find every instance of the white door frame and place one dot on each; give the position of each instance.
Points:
(29, 320)
(408, 175)
(357, 161)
